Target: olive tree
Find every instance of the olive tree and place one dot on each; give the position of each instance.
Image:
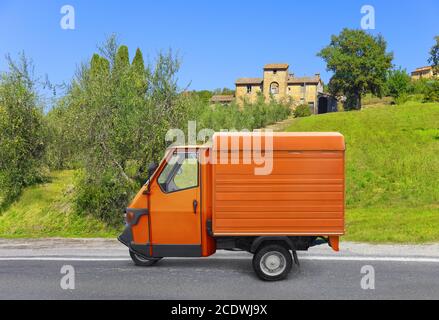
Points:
(22, 131)
(115, 116)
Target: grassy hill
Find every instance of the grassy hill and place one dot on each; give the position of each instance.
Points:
(392, 181)
(392, 170)
(46, 211)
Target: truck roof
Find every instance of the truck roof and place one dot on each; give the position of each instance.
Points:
(300, 141)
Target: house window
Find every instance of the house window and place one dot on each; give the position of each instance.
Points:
(302, 89)
(249, 89)
(274, 71)
(274, 88)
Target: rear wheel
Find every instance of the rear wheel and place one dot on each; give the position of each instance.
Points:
(272, 262)
(142, 261)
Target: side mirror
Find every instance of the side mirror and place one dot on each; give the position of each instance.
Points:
(151, 169)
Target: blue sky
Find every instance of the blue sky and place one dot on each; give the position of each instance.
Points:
(219, 41)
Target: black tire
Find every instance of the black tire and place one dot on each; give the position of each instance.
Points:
(142, 261)
(272, 262)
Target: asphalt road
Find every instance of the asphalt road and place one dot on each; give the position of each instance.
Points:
(36, 274)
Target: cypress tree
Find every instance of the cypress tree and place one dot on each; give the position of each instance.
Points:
(94, 66)
(138, 62)
(122, 58)
(138, 72)
(104, 65)
(99, 66)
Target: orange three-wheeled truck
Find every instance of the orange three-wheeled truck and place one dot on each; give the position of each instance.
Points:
(205, 198)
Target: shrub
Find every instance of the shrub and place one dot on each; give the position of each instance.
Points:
(402, 98)
(102, 196)
(302, 111)
(424, 90)
(431, 93)
(418, 86)
(398, 83)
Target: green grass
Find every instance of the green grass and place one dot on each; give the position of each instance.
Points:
(393, 225)
(45, 211)
(392, 181)
(392, 171)
(370, 101)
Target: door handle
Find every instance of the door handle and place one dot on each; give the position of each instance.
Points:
(195, 204)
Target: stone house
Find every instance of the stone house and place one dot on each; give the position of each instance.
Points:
(423, 73)
(278, 83)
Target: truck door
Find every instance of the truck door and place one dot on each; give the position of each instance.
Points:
(176, 209)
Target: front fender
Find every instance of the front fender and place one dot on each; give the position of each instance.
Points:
(126, 237)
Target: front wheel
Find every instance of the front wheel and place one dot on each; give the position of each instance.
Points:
(272, 262)
(142, 261)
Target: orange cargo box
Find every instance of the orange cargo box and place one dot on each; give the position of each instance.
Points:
(302, 195)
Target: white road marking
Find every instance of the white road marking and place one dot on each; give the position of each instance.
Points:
(312, 258)
(379, 259)
(62, 259)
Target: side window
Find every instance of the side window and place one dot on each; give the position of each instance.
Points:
(180, 173)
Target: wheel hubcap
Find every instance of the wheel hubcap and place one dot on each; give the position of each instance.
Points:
(273, 263)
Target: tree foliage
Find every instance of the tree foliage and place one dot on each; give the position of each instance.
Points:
(360, 64)
(139, 73)
(434, 56)
(431, 92)
(115, 116)
(22, 139)
(234, 117)
(224, 91)
(122, 61)
(398, 83)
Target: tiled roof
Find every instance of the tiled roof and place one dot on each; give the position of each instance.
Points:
(280, 66)
(423, 69)
(297, 80)
(249, 81)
